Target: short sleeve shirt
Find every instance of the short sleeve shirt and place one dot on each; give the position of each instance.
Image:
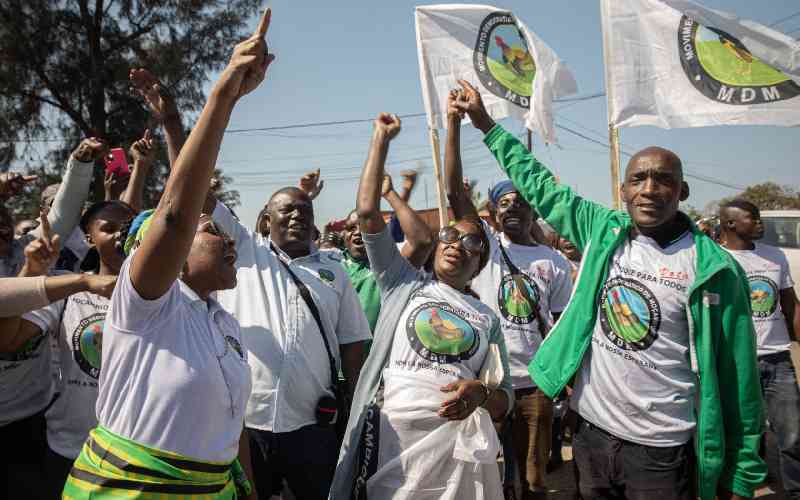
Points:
(26, 382)
(546, 276)
(175, 375)
(767, 274)
(76, 326)
(636, 380)
(290, 366)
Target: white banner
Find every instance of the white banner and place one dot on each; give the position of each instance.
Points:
(516, 73)
(675, 63)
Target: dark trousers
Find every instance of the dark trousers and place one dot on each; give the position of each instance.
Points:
(21, 471)
(305, 458)
(56, 470)
(612, 468)
(782, 398)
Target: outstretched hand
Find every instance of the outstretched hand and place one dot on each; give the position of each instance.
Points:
(90, 149)
(388, 125)
(41, 253)
(12, 183)
(248, 65)
(311, 184)
(160, 102)
(387, 186)
(143, 150)
(469, 101)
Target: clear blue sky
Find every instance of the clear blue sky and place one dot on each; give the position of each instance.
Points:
(351, 60)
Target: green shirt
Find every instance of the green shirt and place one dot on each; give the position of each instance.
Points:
(366, 287)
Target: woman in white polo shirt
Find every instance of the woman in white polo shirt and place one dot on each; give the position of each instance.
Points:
(175, 378)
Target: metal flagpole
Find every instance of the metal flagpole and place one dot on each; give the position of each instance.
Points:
(613, 139)
(437, 172)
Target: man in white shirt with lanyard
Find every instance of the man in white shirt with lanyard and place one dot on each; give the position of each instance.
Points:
(291, 367)
(776, 317)
(527, 285)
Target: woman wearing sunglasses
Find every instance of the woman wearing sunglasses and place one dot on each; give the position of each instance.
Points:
(421, 420)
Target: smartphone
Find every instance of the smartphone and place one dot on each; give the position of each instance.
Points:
(117, 163)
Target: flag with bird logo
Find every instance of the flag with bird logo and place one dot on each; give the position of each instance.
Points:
(675, 63)
(517, 74)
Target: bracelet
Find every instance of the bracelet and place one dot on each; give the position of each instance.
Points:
(487, 395)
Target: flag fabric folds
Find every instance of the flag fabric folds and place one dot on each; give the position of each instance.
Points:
(675, 63)
(518, 74)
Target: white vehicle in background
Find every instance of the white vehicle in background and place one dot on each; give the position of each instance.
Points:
(782, 230)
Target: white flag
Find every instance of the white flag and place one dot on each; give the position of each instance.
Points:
(516, 73)
(675, 63)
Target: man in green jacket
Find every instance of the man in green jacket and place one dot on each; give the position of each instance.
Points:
(657, 335)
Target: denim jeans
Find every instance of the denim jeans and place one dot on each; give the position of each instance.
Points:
(782, 398)
(610, 468)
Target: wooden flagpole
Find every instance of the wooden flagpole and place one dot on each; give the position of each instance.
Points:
(437, 171)
(613, 139)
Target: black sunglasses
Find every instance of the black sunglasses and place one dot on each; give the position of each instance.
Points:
(471, 242)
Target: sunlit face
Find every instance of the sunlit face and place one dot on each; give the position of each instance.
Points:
(352, 238)
(212, 258)
(103, 232)
(514, 215)
(291, 221)
(452, 260)
(746, 225)
(653, 188)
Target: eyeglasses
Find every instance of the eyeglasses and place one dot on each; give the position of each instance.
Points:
(471, 242)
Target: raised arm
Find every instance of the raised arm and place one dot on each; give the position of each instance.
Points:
(312, 184)
(143, 154)
(368, 203)
(162, 107)
(457, 195)
(418, 243)
(570, 215)
(74, 189)
(175, 220)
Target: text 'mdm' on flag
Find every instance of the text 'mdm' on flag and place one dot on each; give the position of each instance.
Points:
(675, 63)
(517, 74)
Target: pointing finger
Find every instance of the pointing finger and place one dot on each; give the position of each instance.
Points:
(467, 86)
(263, 24)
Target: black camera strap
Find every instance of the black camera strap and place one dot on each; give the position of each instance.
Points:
(312, 306)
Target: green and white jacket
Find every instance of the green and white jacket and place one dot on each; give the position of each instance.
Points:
(722, 339)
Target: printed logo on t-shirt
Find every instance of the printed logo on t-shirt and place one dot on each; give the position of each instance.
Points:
(87, 344)
(518, 296)
(235, 344)
(28, 351)
(763, 296)
(630, 315)
(438, 332)
(327, 275)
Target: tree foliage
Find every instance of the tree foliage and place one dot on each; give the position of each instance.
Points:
(769, 196)
(64, 70)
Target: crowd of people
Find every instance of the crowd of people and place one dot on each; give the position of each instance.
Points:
(173, 353)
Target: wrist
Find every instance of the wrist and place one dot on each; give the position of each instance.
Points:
(483, 122)
(390, 195)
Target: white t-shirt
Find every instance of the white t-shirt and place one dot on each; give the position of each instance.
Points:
(175, 376)
(78, 339)
(289, 363)
(636, 380)
(767, 273)
(547, 278)
(26, 384)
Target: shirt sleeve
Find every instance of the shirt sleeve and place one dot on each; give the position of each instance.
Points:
(20, 295)
(65, 213)
(786, 275)
(132, 313)
(352, 325)
(47, 318)
(389, 267)
(231, 225)
(561, 288)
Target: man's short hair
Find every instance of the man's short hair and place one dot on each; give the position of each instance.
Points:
(741, 204)
(290, 190)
